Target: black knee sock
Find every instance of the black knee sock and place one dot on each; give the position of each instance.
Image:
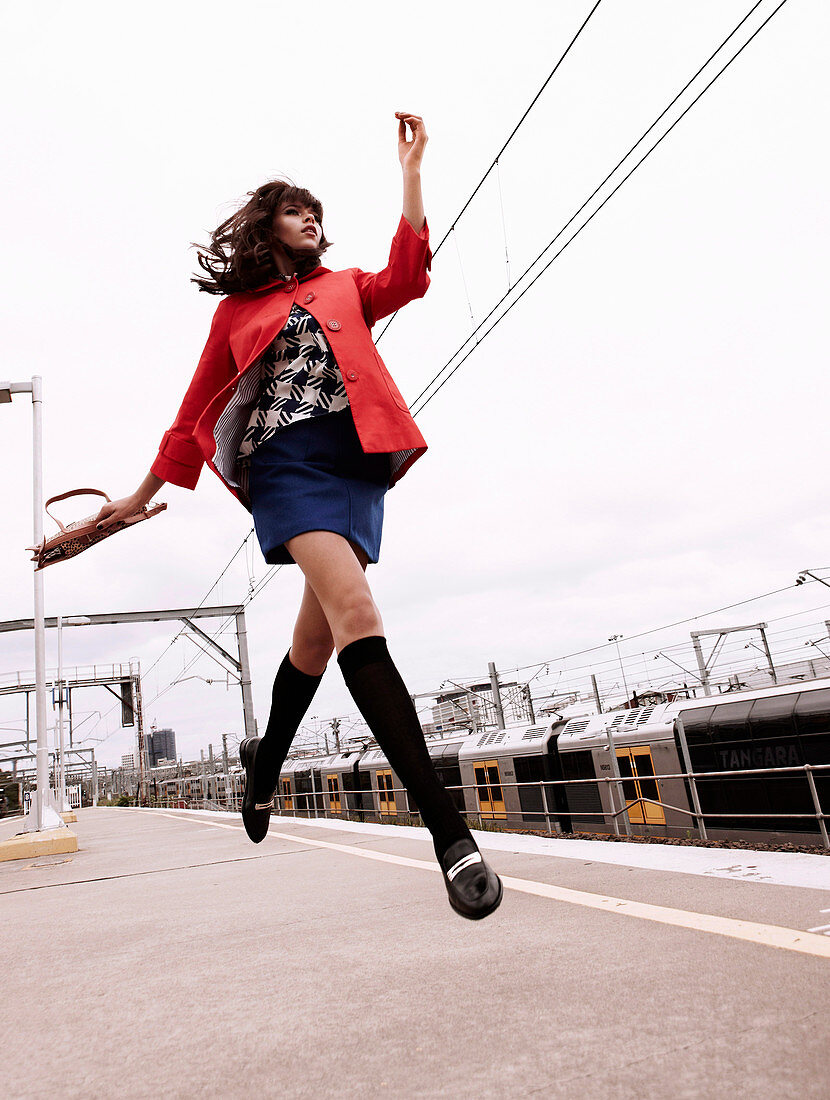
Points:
(381, 696)
(290, 699)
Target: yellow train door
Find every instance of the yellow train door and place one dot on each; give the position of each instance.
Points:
(490, 794)
(637, 771)
(386, 796)
(287, 801)
(333, 784)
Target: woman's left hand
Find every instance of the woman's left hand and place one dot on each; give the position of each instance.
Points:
(410, 153)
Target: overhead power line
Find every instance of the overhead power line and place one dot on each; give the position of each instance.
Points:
(513, 133)
(418, 405)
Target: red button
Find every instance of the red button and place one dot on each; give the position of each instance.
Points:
(351, 375)
(290, 288)
(309, 297)
(333, 325)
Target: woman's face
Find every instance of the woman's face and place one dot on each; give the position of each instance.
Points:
(297, 227)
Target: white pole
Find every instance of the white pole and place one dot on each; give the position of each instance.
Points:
(45, 816)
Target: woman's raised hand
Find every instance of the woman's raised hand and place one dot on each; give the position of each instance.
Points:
(410, 153)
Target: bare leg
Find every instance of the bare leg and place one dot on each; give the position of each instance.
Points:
(312, 644)
(334, 570)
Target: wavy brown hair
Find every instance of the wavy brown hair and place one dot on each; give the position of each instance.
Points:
(240, 253)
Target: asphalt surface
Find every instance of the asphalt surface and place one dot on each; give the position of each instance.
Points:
(170, 956)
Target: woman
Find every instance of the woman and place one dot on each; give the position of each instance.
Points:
(293, 408)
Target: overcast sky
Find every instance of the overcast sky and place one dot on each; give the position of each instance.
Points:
(642, 440)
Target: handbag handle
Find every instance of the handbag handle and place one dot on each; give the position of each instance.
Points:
(72, 493)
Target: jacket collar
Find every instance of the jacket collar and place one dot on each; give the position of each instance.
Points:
(281, 282)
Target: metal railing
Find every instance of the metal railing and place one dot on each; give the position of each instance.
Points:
(343, 803)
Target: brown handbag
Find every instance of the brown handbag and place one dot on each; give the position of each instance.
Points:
(76, 537)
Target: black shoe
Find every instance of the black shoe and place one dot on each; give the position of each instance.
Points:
(256, 816)
(474, 889)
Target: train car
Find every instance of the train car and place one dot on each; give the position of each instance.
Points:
(782, 726)
(495, 765)
(643, 742)
(786, 726)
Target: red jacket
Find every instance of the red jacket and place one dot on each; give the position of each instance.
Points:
(346, 304)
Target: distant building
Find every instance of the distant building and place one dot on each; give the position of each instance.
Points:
(474, 708)
(128, 761)
(457, 710)
(161, 745)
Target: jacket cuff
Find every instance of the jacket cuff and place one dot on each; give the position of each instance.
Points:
(179, 461)
(406, 230)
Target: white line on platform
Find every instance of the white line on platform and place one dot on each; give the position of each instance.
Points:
(769, 935)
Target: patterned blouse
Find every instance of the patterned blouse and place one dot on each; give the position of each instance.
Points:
(299, 378)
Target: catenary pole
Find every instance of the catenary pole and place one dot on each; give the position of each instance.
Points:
(226, 766)
(494, 684)
(245, 675)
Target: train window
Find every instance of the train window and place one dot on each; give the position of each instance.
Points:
(729, 720)
(812, 711)
(773, 715)
(649, 788)
(490, 795)
(531, 769)
(627, 773)
(696, 724)
(582, 799)
(319, 790)
(287, 801)
(386, 794)
(494, 779)
(450, 776)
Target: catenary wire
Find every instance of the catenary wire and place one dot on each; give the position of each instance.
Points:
(513, 133)
(416, 407)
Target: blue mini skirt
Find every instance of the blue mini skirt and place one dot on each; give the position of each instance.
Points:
(313, 475)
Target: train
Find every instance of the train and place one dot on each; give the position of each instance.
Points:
(751, 765)
(750, 754)
(192, 790)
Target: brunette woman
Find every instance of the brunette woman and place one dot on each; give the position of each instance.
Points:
(293, 408)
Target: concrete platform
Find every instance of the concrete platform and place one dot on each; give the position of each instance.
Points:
(170, 956)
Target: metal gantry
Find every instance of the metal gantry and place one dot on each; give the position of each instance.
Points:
(239, 667)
